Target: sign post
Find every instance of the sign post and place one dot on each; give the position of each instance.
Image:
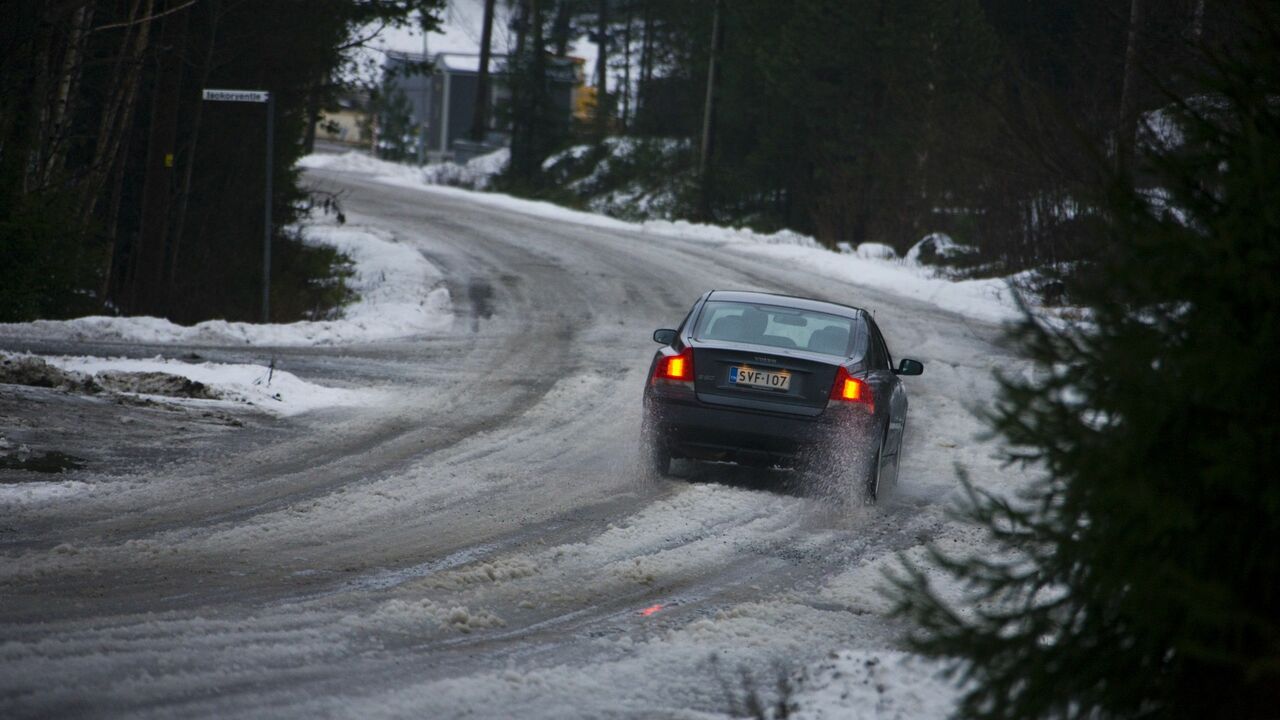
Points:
(258, 96)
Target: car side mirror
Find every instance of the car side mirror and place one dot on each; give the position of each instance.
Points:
(909, 367)
(664, 336)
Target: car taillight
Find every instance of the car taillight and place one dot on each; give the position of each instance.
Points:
(852, 390)
(675, 367)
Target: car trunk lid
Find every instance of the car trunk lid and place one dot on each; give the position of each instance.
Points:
(751, 377)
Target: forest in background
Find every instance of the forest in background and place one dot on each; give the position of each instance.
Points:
(870, 121)
(1131, 576)
(121, 191)
(876, 121)
(1130, 151)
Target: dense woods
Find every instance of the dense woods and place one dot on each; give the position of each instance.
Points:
(883, 121)
(1124, 149)
(876, 121)
(122, 191)
(1127, 580)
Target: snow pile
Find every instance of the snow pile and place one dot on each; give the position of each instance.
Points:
(719, 234)
(875, 251)
(496, 571)
(477, 173)
(32, 371)
(636, 202)
(624, 177)
(1163, 130)
(276, 391)
(936, 248)
(879, 685)
(574, 153)
(36, 372)
(618, 148)
(359, 163)
(400, 295)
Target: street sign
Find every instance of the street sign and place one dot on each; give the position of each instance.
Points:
(256, 96)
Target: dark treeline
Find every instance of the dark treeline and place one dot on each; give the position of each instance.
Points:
(883, 120)
(122, 191)
(1127, 579)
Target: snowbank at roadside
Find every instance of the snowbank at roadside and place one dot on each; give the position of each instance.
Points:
(476, 173)
(275, 391)
(989, 299)
(400, 295)
(986, 299)
(358, 162)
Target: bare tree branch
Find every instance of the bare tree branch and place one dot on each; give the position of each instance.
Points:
(147, 19)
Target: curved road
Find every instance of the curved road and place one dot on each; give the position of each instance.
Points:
(482, 543)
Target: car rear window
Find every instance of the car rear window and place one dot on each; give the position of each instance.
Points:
(780, 327)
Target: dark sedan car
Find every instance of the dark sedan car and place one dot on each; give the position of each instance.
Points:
(774, 380)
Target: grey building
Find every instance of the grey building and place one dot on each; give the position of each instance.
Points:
(442, 99)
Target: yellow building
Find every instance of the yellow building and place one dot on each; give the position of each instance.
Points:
(347, 121)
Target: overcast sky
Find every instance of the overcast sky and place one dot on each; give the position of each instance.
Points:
(461, 31)
(461, 34)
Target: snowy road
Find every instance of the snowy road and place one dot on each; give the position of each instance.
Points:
(481, 542)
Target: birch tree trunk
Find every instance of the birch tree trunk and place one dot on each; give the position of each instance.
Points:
(118, 109)
(107, 165)
(480, 116)
(602, 69)
(68, 87)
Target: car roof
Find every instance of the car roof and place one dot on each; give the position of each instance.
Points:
(791, 301)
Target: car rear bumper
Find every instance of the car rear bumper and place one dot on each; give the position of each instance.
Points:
(690, 428)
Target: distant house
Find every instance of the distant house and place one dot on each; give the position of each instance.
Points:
(346, 120)
(441, 100)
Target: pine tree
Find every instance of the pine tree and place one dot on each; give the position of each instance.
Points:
(121, 189)
(530, 136)
(853, 138)
(1139, 576)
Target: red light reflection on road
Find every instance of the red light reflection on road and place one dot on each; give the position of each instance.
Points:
(651, 610)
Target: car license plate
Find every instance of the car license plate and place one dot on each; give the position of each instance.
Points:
(742, 375)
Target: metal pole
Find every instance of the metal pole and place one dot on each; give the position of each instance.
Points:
(422, 118)
(704, 153)
(266, 231)
(444, 117)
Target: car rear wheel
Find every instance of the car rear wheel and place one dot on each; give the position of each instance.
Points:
(654, 453)
(875, 471)
(659, 458)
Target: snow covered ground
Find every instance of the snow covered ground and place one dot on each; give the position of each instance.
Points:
(484, 545)
(987, 299)
(476, 173)
(191, 393)
(272, 390)
(401, 294)
(868, 685)
(625, 177)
